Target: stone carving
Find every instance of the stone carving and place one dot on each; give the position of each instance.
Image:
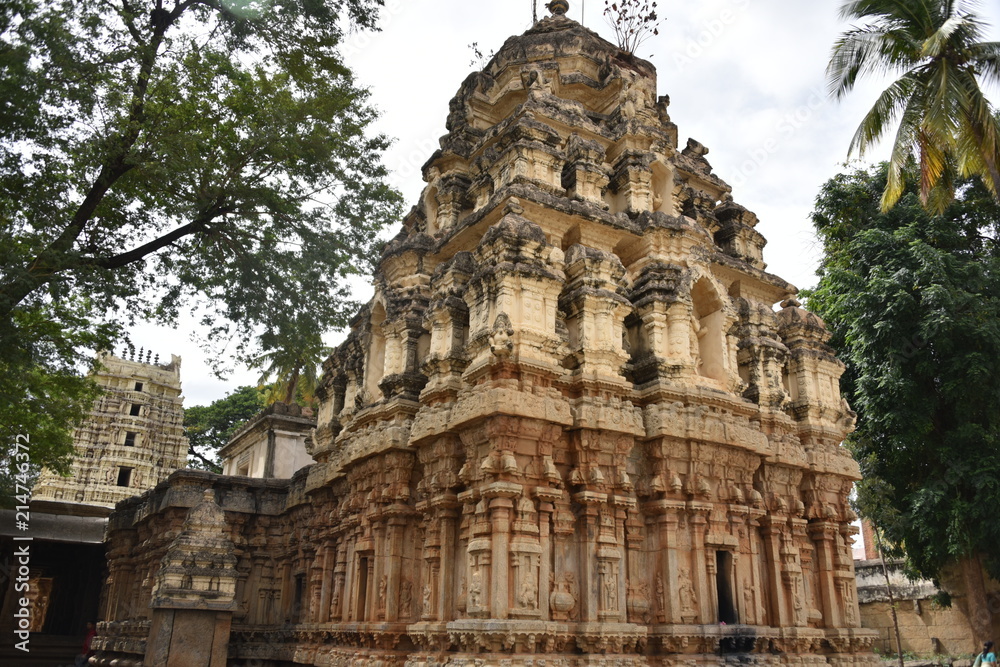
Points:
(661, 599)
(475, 590)
(570, 422)
(749, 609)
(382, 587)
(689, 604)
(563, 599)
(405, 600)
(428, 609)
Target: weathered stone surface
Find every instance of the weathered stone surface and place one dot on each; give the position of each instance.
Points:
(569, 426)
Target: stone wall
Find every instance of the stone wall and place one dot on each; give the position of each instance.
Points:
(926, 627)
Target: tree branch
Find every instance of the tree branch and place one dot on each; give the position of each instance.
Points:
(210, 465)
(134, 255)
(49, 261)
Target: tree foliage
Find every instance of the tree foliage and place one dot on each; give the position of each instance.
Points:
(913, 300)
(209, 427)
(935, 49)
(165, 155)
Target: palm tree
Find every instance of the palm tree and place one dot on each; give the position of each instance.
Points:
(294, 366)
(945, 122)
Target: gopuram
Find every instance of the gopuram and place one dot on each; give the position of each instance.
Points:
(569, 429)
(132, 440)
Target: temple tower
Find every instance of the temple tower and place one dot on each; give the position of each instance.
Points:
(571, 424)
(132, 440)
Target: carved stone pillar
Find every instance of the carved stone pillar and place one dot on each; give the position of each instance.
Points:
(370, 611)
(377, 582)
(393, 568)
(564, 601)
(254, 588)
(588, 527)
(792, 577)
(656, 324)
(667, 603)
(339, 576)
(352, 588)
(698, 519)
(823, 534)
(447, 509)
(545, 574)
(285, 592)
(500, 505)
(314, 590)
(755, 593)
(479, 577)
(772, 530)
(679, 334)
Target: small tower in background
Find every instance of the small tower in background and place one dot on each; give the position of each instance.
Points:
(133, 439)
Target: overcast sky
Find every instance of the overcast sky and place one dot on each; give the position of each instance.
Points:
(745, 78)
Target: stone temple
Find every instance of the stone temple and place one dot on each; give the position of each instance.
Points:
(569, 429)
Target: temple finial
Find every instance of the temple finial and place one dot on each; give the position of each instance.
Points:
(558, 7)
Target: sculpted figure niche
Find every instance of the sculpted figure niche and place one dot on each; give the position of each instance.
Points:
(573, 420)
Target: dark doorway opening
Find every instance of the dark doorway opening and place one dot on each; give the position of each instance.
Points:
(724, 587)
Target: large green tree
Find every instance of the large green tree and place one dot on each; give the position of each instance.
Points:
(160, 155)
(208, 428)
(934, 49)
(913, 300)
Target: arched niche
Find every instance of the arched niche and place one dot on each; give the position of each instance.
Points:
(423, 350)
(790, 383)
(571, 236)
(708, 343)
(635, 338)
(663, 188)
(375, 366)
(431, 209)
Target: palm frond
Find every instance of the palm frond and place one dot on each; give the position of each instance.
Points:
(981, 134)
(902, 149)
(942, 113)
(942, 194)
(933, 162)
(986, 56)
(947, 94)
(935, 45)
(883, 114)
(900, 12)
(862, 52)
